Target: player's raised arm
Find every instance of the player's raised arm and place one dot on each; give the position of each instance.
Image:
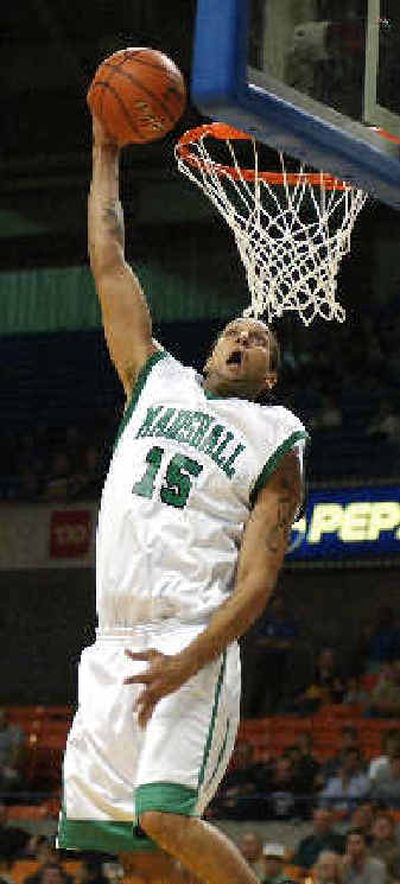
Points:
(126, 316)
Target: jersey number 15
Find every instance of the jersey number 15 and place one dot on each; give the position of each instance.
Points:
(177, 477)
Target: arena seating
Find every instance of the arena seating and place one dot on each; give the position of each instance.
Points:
(46, 729)
(271, 736)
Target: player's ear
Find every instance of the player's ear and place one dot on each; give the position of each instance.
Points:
(270, 380)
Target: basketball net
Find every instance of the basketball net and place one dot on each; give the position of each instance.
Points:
(292, 229)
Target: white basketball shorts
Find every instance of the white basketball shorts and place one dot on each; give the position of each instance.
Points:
(114, 770)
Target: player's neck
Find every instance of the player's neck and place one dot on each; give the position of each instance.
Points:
(213, 383)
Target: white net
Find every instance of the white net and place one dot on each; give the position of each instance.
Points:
(292, 229)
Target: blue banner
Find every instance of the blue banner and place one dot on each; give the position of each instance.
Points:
(348, 523)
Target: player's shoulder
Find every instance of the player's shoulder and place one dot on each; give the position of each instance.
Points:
(284, 417)
(165, 363)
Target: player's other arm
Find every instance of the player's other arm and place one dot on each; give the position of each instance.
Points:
(125, 314)
(261, 556)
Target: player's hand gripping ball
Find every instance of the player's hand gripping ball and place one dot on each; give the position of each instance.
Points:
(138, 95)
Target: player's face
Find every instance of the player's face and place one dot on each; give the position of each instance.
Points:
(239, 364)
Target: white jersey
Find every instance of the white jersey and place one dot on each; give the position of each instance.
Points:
(185, 471)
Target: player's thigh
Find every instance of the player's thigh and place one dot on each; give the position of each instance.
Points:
(105, 741)
(189, 740)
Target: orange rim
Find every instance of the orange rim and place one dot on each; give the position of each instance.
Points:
(385, 134)
(223, 132)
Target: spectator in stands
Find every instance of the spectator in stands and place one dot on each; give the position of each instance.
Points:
(328, 869)
(283, 790)
(323, 837)
(250, 847)
(349, 740)
(305, 775)
(349, 786)
(12, 739)
(237, 796)
(390, 748)
(267, 657)
(47, 857)
(362, 818)
(307, 766)
(385, 788)
(14, 841)
(385, 696)
(358, 866)
(327, 685)
(328, 675)
(384, 844)
(274, 861)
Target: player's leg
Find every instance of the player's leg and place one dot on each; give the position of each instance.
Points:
(203, 849)
(188, 743)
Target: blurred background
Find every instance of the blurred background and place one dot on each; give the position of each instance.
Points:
(325, 657)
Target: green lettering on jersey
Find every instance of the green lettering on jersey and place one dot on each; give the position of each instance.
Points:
(193, 428)
(161, 426)
(211, 441)
(201, 425)
(216, 455)
(181, 428)
(228, 465)
(179, 473)
(147, 429)
(145, 486)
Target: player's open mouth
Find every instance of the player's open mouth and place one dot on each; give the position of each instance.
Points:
(235, 358)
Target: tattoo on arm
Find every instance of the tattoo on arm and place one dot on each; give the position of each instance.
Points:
(286, 509)
(113, 219)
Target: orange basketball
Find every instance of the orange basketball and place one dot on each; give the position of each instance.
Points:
(138, 95)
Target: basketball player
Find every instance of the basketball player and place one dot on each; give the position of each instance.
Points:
(195, 514)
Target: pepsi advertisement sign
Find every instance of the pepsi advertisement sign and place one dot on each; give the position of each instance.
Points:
(346, 524)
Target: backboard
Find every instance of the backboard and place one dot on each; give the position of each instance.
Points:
(315, 79)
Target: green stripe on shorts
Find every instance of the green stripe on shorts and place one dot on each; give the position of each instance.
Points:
(166, 798)
(213, 721)
(107, 835)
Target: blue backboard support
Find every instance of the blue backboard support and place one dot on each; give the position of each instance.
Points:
(329, 140)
